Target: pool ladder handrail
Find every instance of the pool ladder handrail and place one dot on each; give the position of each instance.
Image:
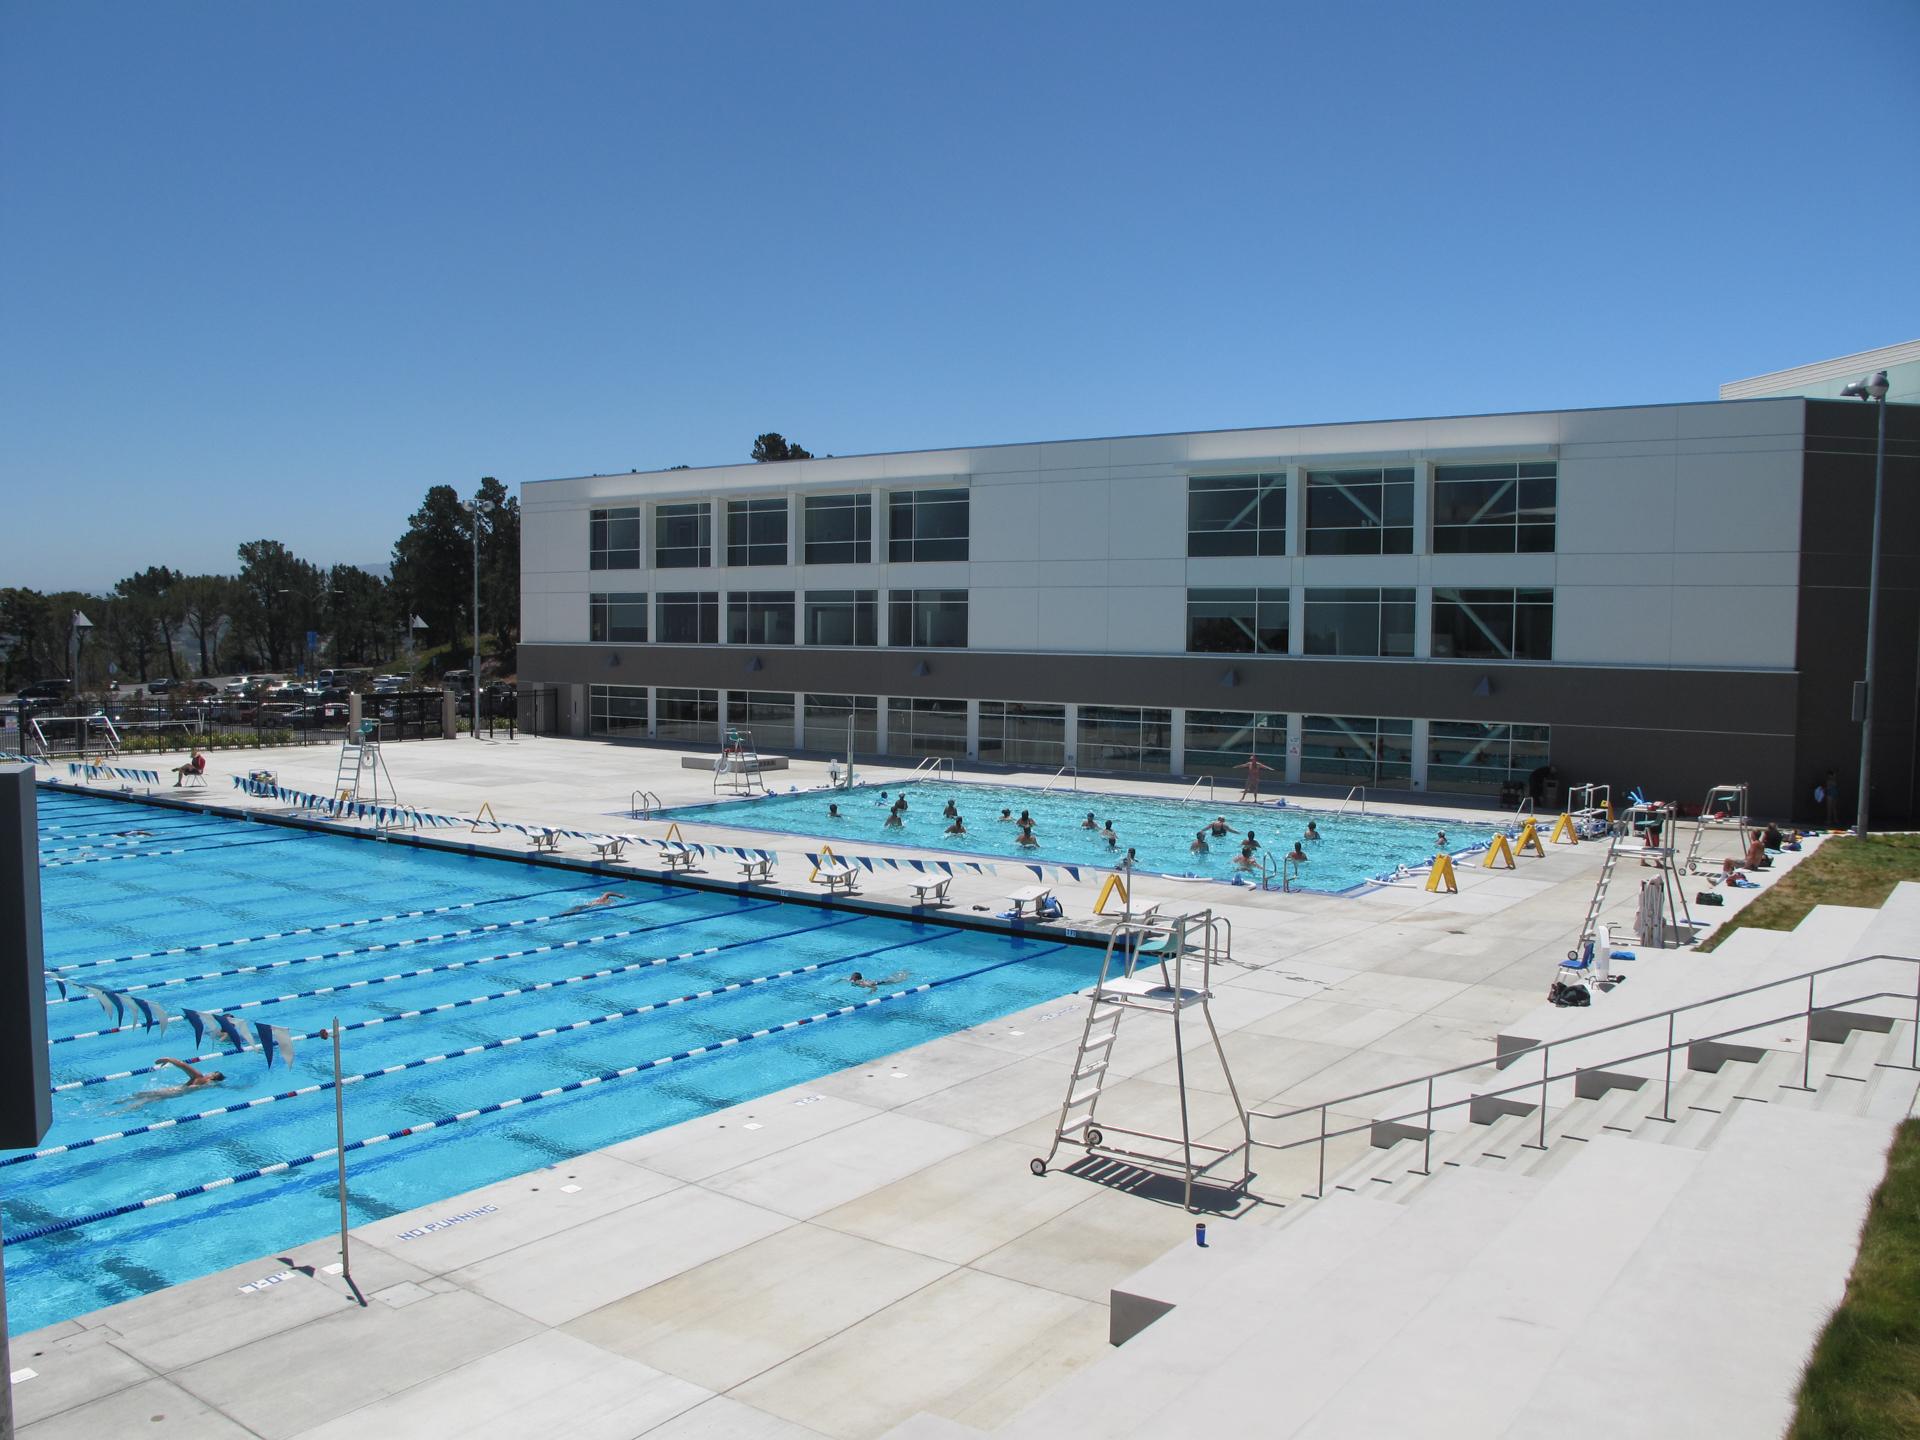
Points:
(1186, 796)
(1073, 770)
(936, 766)
(640, 812)
(1359, 790)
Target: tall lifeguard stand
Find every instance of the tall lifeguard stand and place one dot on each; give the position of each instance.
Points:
(737, 769)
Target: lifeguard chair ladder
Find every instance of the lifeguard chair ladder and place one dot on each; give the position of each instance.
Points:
(1725, 808)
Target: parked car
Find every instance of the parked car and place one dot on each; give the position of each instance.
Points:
(161, 686)
(47, 690)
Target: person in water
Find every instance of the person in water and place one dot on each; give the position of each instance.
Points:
(958, 827)
(1313, 831)
(197, 1079)
(865, 984)
(1298, 855)
(606, 898)
(1220, 828)
(893, 821)
(1107, 834)
(1250, 843)
(1026, 840)
(1200, 846)
(952, 811)
(1006, 817)
(1440, 839)
(833, 813)
(1089, 823)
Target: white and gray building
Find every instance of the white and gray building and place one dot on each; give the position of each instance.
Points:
(1669, 596)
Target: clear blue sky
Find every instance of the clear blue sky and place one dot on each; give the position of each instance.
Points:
(272, 269)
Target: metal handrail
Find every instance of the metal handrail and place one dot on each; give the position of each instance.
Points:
(635, 809)
(1524, 811)
(1545, 1048)
(1206, 780)
(1073, 770)
(938, 764)
(1359, 790)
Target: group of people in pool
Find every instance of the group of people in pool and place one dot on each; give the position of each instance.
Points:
(1248, 858)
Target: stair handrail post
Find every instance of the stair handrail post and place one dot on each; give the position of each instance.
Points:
(1546, 1069)
(1666, 1099)
(1320, 1188)
(1426, 1159)
(1806, 1050)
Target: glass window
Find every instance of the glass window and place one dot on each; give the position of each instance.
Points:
(1364, 622)
(1472, 758)
(1239, 621)
(764, 716)
(1494, 509)
(682, 535)
(760, 617)
(1014, 733)
(842, 617)
(613, 538)
(1236, 514)
(827, 717)
(1360, 512)
(1120, 738)
(1356, 750)
(839, 529)
(927, 618)
(1492, 624)
(757, 531)
(927, 525)
(691, 716)
(689, 617)
(926, 727)
(1222, 741)
(621, 618)
(617, 710)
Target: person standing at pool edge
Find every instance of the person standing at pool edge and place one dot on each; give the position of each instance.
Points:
(1251, 789)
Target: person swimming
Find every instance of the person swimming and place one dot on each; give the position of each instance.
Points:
(1250, 843)
(197, 1079)
(1026, 840)
(893, 821)
(1243, 860)
(607, 898)
(833, 813)
(1200, 846)
(1220, 828)
(1006, 817)
(865, 984)
(1107, 834)
(1089, 823)
(951, 811)
(1298, 854)
(1313, 832)
(1440, 839)
(958, 827)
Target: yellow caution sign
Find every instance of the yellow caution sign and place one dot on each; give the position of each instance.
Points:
(1442, 873)
(1530, 839)
(1564, 832)
(673, 833)
(1113, 884)
(1498, 852)
(485, 822)
(826, 852)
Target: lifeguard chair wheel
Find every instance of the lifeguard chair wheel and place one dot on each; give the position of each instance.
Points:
(1094, 1138)
(1038, 1166)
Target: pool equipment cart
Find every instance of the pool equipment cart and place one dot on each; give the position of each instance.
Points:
(1146, 971)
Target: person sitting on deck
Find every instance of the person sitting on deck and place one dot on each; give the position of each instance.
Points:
(1731, 877)
(1757, 853)
(195, 766)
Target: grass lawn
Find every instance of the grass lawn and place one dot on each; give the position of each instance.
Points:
(1843, 871)
(1863, 1381)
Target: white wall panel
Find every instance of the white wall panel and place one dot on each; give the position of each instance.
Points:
(1005, 521)
(1739, 501)
(1002, 619)
(1735, 625)
(1071, 618)
(1616, 506)
(1612, 625)
(1073, 520)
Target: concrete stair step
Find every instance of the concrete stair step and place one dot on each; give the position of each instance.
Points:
(1699, 1100)
(1523, 1300)
(1467, 1149)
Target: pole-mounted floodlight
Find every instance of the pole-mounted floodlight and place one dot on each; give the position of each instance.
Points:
(1871, 389)
(476, 508)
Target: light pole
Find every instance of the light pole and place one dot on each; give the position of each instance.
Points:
(1871, 389)
(476, 509)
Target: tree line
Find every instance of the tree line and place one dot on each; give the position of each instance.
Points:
(162, 622)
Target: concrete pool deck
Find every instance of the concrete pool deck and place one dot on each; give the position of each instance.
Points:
(832, 1259)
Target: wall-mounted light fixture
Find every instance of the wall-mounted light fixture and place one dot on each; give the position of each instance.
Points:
(753, 664)
(1483, 687)
(1230, 679)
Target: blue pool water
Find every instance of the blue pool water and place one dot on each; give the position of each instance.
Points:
(1354, 848)
(218, 884)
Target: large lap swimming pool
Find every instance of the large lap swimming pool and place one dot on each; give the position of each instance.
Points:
(420, 954)
(1354, 848)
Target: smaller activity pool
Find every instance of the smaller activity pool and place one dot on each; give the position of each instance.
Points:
(1351, 850)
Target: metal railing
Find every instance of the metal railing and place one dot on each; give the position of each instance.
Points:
(936, 766)
(643, 804)
(1545, 1050)
(1523, 812)
(1359, 790)
(1073, 770)
(1187, 795)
